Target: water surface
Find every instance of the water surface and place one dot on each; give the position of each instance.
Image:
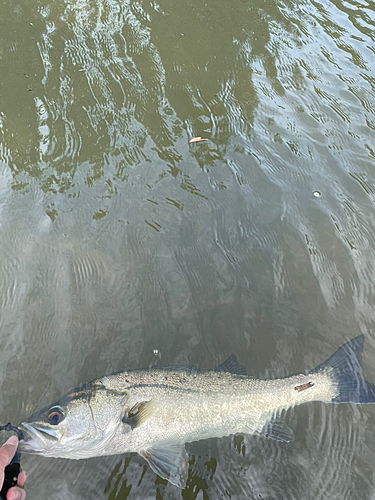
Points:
(122, 246)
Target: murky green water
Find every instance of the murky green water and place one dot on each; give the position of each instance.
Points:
(123, 246)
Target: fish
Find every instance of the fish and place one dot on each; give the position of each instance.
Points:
(155, 412)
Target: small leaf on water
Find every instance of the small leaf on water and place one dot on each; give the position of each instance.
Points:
(197, 139)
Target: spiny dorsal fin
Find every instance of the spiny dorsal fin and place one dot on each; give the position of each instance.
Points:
(231, 365)
(170, 462)
(139, 413)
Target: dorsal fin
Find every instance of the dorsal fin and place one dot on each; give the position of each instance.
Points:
(231, 365)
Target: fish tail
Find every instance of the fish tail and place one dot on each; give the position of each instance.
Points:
(347, 373)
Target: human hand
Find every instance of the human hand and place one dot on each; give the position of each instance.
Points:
(7, 452)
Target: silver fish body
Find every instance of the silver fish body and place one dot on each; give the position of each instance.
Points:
(155, 412)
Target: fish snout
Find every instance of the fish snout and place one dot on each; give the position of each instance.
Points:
(37, 439)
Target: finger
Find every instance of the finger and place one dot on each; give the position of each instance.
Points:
(7, 451)
(16, 494)
(22, 478)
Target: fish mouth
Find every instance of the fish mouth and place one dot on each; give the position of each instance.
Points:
(37, 440)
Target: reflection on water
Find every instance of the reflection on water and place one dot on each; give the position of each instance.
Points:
(123, 246)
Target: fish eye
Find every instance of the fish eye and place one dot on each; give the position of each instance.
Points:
(55, 415)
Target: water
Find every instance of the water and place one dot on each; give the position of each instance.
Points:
(124, 246)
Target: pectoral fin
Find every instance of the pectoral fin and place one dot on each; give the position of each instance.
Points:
(170, 462)
(277, 429)
(139, 413)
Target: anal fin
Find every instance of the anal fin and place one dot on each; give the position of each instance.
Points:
(277, 429)
(170, 462)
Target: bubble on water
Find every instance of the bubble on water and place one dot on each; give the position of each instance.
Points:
(317, 194)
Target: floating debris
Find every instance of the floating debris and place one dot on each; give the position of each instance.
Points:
(197, 139)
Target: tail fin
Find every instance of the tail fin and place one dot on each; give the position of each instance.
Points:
(346, 363)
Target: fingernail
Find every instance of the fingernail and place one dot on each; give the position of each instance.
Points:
(13, 495)
(22, 478)
(13, 440)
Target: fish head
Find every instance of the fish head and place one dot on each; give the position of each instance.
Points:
(79, 425)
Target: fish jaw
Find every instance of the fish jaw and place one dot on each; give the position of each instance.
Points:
(38, 440)
(46, 442)
(43, 441)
